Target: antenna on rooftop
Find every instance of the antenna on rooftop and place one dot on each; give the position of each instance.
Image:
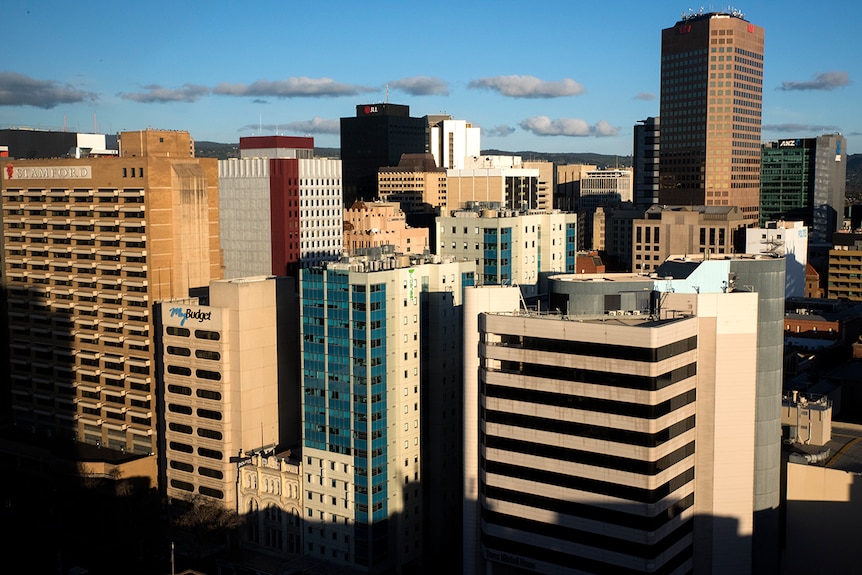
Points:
(387, 93)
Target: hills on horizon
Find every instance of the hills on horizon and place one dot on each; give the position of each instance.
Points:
(205, 149)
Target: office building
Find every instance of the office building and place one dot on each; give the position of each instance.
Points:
(493, 179)
(647, 139)
(612, 234)
(600, 188)
(804, 179)
(227, 388)
(763, 274)
(375, 224)
(788, 240)
(568, 189)
(711, 105)
(376, 137)
(416, 183)
(844, 279)
(511, 248)
(281, 208)
(89, 244)
(450, 141)
(681, 230)
(545, 185)
(615, 442)
(365, 382)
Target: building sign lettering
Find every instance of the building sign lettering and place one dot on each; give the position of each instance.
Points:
(48, 173)
(788, 143)
(188, 313)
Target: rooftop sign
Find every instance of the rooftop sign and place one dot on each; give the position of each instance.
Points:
(12, 172)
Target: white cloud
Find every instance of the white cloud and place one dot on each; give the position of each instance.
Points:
(20, 90)
(573, 127)
(824, 81)
(421, 86)
(528, 87)
(160, 95)
(301, 87)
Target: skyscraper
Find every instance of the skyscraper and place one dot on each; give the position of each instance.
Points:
(711, 101)
(597, 432)
(365, 380)
(374, 138)
(89, 245)
(646, 150)
(805, 179)
(280, 207)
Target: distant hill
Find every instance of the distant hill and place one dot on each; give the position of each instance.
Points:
(225, 151)
(220, 151)
(563, 158)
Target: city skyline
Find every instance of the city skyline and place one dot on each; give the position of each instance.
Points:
(567, 78)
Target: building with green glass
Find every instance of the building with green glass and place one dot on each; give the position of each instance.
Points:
(804, 179)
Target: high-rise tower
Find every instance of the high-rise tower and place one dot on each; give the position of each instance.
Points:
(374, 138)
(89, 244)
(711, 101)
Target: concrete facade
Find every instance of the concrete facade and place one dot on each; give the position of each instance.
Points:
(416, 184)
(221, 382)
(667, 230)
(89, 244)
(511, 248)
(783, 239)
(500, 179)
(844, 275)
(451, 141)
(374, 224)
(569, 480)
(280, 209)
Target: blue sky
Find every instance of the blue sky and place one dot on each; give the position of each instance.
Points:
(553, 76)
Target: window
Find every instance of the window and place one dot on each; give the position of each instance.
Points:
(209, 414)
(207, 354)
(207, 334)
(206, 374)
(179, 370)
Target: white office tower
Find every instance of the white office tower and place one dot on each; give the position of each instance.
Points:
(615, 437)
(450, 141)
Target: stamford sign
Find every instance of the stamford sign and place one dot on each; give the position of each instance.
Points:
(12, 172)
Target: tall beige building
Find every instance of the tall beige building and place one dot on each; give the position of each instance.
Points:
(612, 443)
(711, 106)
(221, 382)
(88, 245)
